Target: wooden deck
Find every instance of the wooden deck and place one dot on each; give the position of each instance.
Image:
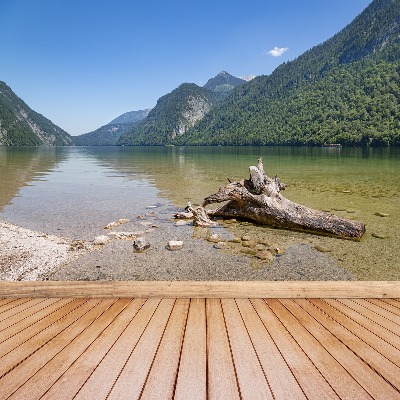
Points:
(303, 345)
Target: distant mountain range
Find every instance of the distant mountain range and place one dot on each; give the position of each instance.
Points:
(108, 134)
(21, 126)
(345, 90)
(179, 111)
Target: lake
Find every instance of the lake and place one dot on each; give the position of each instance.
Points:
(72, 191)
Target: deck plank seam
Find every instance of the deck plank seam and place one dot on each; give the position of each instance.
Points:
(44, 344)
(365, 327)
(373, 311)
(366, 315)
(44, 328)
(278, 348)
(230, 350)
(21, 311)
(40, 319)
(255, 351)
(353, 333)
(131, 352)
(318, 339)
(181, 349)
(22, 319)
(366, 362)
(66, 344)
(89, 344)
(110, 348)
(105, 354)
(385, 307)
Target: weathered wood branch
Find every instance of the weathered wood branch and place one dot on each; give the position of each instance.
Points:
(259, 199)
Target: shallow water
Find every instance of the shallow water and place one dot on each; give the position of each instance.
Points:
(75, 191)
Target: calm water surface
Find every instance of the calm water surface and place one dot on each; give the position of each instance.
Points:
(75, 191)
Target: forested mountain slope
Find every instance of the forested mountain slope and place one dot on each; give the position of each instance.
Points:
(346, 90)
(21, 126)
(173, 115)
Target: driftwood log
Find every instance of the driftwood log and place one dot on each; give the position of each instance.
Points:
(259, 199)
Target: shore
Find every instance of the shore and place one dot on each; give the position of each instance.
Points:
(29, 255)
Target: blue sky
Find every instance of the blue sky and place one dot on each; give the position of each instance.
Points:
(81, 63)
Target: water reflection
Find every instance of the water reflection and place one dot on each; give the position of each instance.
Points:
(21, 166)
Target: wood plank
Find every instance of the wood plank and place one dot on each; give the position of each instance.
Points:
(26, 369)
(49, 373)
(395, 303)
(312, 382)
(192, 375)
(24, 311)
(250, 375)
(336, 376)
(371, 315)
(358, 314)
(19, 338)
(360, 360)
(133, 377)
(221, 376)
(69, 384)
(11, 303)
(282, 382)
(385, 309)
(162, 377)
(209, 289)
(101, 381)
(377, 354)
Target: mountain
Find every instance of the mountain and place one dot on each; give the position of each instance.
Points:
(108, 134)
(21, 126)
(345, 90)
(131, 117)
(223, 83)
(173, 115)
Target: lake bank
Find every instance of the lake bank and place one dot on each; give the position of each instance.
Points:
(30, 255)
(74, 192)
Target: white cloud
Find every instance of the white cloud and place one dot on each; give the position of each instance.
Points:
(278, 51)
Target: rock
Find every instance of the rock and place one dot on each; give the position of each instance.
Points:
(101, 240)
(246, 238)
(126, 235)
(174, 245)
(182, 222)
(214, 238)
(260, 247)
(235, 240)
(265, 255)
(77, 245)
(381, 214)
(123, 221)
(248, 244)
(322, 249)
(220, 245)
(140, 245)
(265, 242)
(379, 236)
(111, 225)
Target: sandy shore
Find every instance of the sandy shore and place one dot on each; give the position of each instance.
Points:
(30, 255)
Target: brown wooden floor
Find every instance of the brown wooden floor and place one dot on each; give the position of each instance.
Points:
(197, 348)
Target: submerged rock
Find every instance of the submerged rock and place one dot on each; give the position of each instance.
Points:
(140, 245)
(381, 214)
(265, 255)
(175, 245)
(101, 240)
